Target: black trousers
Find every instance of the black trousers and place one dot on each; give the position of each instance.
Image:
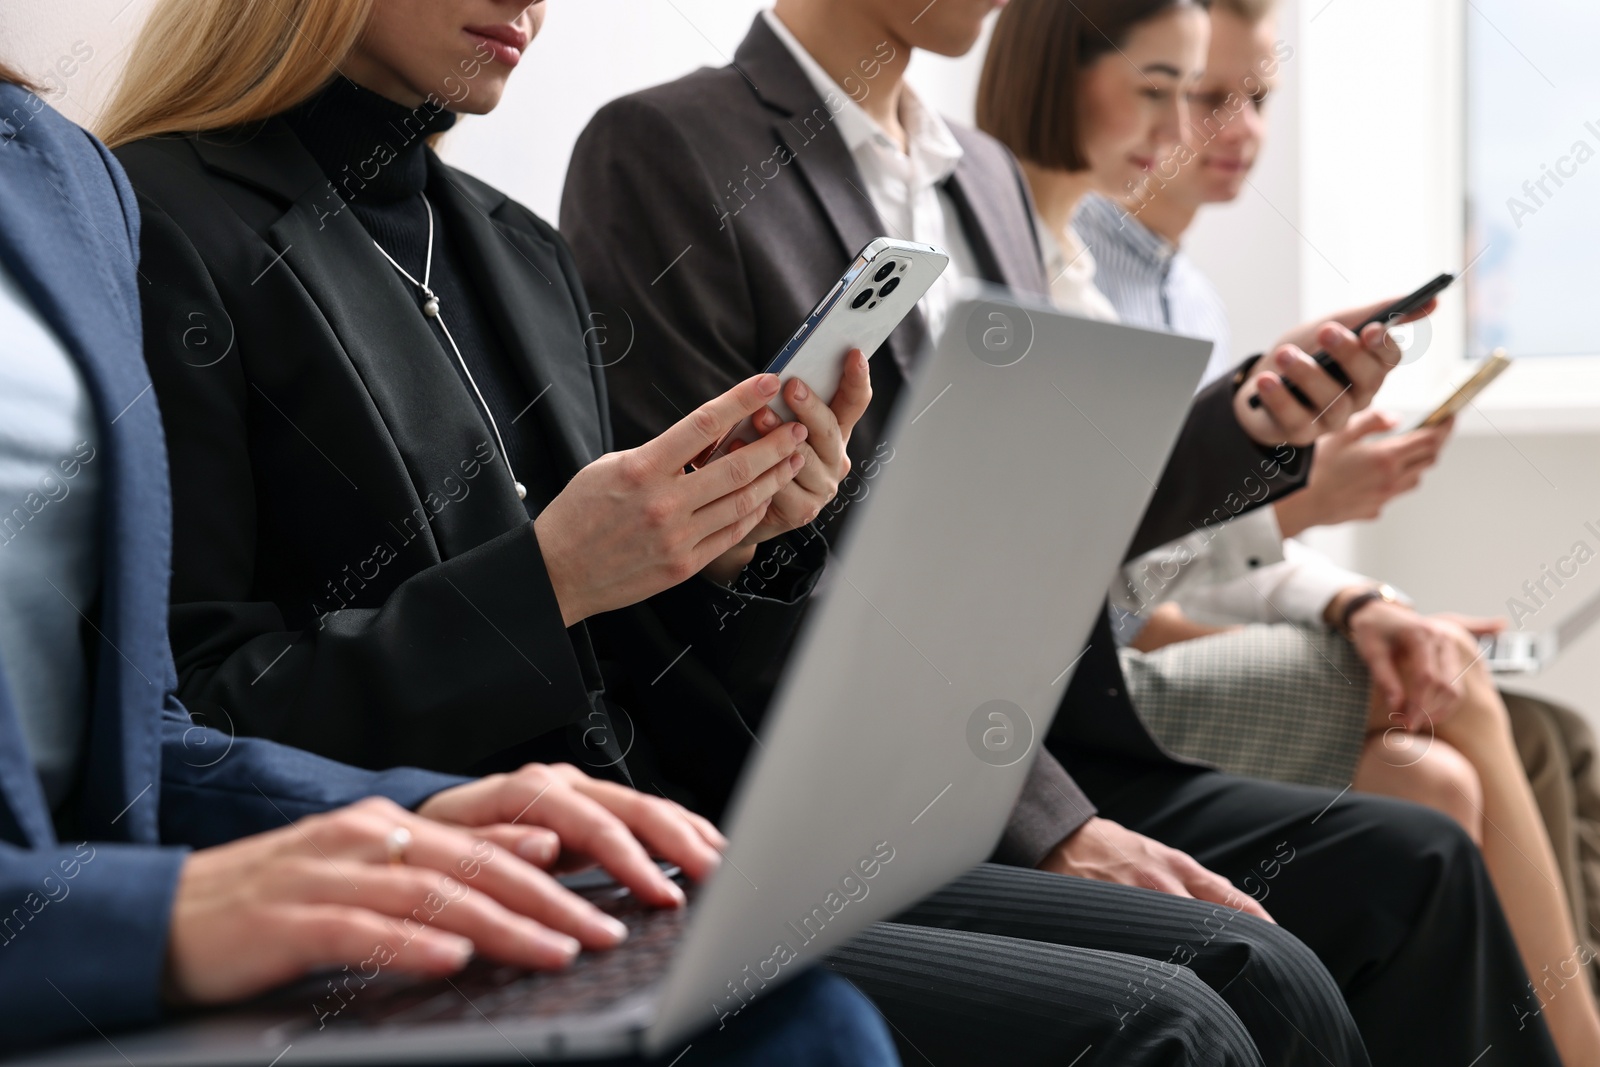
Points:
(1009, 966)
(1393, 898)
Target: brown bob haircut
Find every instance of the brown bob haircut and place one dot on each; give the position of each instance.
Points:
(1028, 93)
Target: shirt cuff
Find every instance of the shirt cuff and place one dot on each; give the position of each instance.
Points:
(1312, 581)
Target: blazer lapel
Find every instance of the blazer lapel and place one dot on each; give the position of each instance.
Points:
(47, 239)
(531, 307)
(1003, 241)
(432, 421)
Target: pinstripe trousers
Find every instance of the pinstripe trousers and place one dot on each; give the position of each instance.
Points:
(1010, 966)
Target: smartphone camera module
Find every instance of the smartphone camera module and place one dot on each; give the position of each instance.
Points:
(861, 300)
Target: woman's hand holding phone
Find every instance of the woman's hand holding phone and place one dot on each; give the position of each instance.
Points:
(1305, 336)
(633, 523)
(1278, 418)
(1358, 470)
(828, 426)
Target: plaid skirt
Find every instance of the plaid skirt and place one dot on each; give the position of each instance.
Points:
(1284, 702)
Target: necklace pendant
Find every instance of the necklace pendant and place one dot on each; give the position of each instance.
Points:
(522, 491)
(430, 307)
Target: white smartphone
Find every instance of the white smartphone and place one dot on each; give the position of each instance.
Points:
(862, 309)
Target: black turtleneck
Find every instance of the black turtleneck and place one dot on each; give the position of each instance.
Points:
(349, 131)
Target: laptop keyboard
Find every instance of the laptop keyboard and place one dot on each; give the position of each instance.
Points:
(484, 990)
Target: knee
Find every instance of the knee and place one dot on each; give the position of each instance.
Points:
(1274, 962)
(1272, 956)
(1189, 1023)
(1439, 778)
(1449, 783)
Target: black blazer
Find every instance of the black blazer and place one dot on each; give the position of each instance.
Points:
(353, 571)
(707, 216)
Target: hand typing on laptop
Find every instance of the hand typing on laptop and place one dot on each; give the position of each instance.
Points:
(373, 886)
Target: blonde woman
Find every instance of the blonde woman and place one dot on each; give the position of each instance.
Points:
(180, 884)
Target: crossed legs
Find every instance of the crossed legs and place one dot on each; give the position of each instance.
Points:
(1470, 769)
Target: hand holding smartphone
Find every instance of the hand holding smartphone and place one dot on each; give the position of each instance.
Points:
(1456, 402)
(875, 294)
(1391, 315)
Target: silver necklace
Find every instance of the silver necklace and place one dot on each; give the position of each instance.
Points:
(430, 309)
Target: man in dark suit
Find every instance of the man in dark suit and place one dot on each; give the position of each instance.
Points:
(708, 215)
(127, 923)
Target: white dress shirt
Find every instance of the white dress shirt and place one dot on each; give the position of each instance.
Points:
(1074, 275)
(905, 187)
(1241, 571)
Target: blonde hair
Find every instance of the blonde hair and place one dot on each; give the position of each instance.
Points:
(208, 64)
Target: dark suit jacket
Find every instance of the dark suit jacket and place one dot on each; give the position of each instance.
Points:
(83, 927)
(354, 572)
(709, 214)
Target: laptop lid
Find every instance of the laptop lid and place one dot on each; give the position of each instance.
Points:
(1021, 461)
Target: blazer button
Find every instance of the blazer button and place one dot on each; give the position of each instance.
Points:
(1111, 692)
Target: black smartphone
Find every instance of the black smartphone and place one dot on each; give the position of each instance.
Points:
(1391, 315)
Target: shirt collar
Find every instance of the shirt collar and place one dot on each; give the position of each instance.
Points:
(930, 139)
(1109, 220)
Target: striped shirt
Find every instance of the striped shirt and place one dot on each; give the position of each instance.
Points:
(1243, 571)
(1152, 283)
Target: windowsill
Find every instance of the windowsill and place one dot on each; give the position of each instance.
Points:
(1524, 420)
(1533, 397)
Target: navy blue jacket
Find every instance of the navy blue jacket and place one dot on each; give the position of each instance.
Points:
(83, 925)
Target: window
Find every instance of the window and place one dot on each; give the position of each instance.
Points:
(1533, 179)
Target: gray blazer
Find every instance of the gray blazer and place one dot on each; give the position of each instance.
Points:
(707, 216)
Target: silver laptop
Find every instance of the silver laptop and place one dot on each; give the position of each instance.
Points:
(1022, 459)
(1531, 651)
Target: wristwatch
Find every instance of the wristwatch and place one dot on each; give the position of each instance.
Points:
(1384, 592)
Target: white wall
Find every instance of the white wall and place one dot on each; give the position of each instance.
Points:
(1358, 197)
(524, 147)
(588, 53)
